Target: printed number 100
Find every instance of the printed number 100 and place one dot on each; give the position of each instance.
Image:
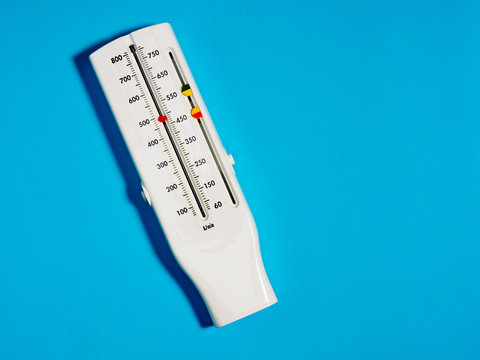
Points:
(182, 211)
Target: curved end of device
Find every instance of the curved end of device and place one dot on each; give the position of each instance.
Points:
(227, 318)
(232, 278)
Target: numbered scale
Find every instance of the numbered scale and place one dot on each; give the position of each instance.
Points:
(187, 175)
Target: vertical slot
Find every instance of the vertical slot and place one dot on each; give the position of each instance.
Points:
(161, 113)
(188, 92)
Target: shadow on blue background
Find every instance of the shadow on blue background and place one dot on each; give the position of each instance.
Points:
(132, 179)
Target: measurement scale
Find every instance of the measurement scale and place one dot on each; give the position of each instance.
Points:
(187, 175)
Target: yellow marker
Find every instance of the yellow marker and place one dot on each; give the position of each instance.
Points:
(186, 90)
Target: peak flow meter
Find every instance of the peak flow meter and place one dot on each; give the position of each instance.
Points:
(187, 175)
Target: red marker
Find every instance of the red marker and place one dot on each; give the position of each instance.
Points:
(196, 113)
(162, 118)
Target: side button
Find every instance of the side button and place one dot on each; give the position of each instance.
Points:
(230, 159)
(146, 195)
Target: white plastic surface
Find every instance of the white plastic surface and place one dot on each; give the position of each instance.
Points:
(218, 250)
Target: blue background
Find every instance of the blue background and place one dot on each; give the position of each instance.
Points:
(355, 129)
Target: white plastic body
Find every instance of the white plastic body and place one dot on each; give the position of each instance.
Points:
(223, 260)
